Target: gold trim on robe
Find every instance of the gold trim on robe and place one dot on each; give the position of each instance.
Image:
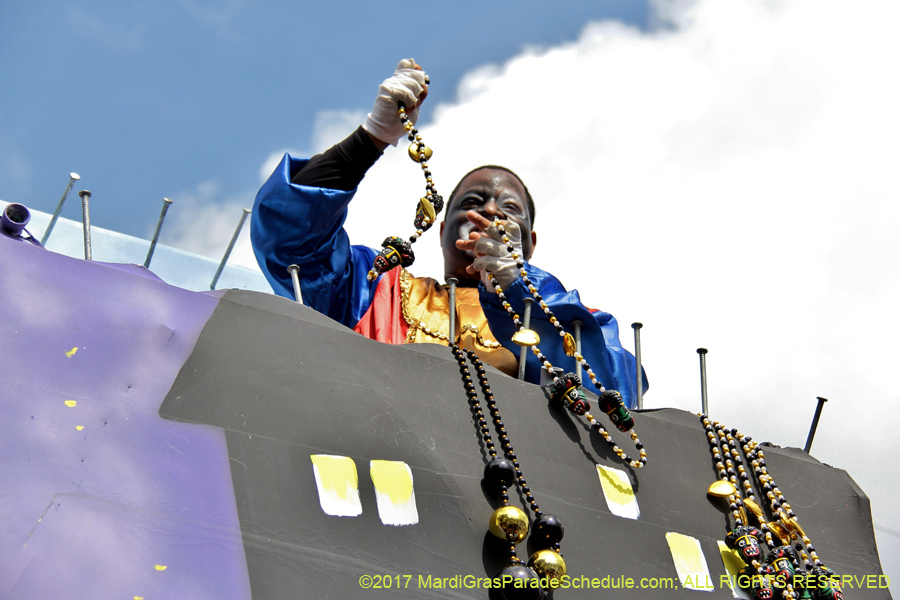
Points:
(425, 306)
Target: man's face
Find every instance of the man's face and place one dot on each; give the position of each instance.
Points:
(490, 193)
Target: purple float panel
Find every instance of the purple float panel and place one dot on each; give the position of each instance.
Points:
(101, 497)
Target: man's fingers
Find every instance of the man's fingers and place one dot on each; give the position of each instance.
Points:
(469, 244)
(478, 220)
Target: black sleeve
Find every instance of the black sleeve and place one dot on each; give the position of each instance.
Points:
(342, 166)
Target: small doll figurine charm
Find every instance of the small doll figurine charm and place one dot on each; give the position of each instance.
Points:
(759, 585)
(612, 404)
(745, 540)
(825, 584)
(783, 563)
(395, 252)
(567, 390)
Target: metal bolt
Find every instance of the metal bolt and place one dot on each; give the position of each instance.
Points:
(523, 351)
(451, 291)
(73, 177)
(577, 323)
(228, 250)
(162, 216)
(815, 423)
(294, 270)
(637, 362)
(86, 222)
(702, 352)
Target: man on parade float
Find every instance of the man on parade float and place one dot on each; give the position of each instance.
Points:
(298, 219)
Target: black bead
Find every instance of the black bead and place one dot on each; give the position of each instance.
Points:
(524, 591)
(547, 530)
(500, 470)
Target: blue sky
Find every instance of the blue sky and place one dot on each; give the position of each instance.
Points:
(146, 99)
(720, 170)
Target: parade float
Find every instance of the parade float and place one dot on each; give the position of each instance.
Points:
(162, 441)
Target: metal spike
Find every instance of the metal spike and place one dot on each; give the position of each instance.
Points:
(86, 222)
(523, 351)
(451, 291)
(228, 250)
(702, 352)
(576, 325)
(815, 423)
(294, 270)
(162, 217)
(73, 177)
(637, 361)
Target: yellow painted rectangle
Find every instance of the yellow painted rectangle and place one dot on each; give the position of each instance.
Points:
(338, 485)
(690, 564)
(618, 493)
(394, 492)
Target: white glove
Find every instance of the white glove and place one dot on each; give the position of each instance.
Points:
(406, 85)
(497, 260)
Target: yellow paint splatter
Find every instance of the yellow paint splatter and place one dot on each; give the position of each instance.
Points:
(79, 427)
(392, 478)
(71, 403)
(138, 598)
(161, 567)
(71, 352)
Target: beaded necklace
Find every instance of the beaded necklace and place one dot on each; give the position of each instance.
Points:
(395, 251)
(567, 389)
(779, 571)
(509, 522)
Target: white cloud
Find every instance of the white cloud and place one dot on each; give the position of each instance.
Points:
(205, 221)
(728, 182)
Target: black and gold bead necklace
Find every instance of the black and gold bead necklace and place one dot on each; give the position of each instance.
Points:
(567, 389)
(778, 572)
(395, 251)
(504, 472)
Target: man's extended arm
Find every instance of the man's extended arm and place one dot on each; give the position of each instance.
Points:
(300, 211)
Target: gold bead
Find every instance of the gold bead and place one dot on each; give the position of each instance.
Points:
(526, 337)
(721, 489)
(426, 208)
(415, 149)
(508, 520)
(569, 344)
(549, 564)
